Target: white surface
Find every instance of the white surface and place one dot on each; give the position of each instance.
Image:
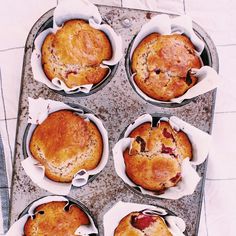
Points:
(222, 159)
(167, 6)
(219, 20)
(11, 67)
(220, 207)
(17, 18)
(226, 92)
(217, 17)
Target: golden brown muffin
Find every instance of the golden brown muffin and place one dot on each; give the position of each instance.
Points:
(66, 143)
(74, 54)
(54, 219)
(162, 65)
(140, 224)
(154, 158)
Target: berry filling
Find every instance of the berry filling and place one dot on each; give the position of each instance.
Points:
(167, 150)
(142, 221)
(188, 78)
(167, 134)
(141, 142)
(176, 178)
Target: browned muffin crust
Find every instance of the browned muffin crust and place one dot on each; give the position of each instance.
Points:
(154, 158)
(53, 219)
(162, 65)
(74, 54)
(139, 224)
(66, 143)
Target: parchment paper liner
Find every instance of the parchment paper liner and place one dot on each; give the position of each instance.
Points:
(208, 79)
(17, 229)
(74, 9)
(112, 218)
(38, 112)
(200, 143)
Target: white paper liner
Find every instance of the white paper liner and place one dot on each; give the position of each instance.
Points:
(200, 144)
(112, 218)
(208, 79)
(74, 9)
(17, 229)
(38, 112)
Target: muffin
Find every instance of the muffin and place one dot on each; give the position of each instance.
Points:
(154, 159)
(162, 66)
(141, 224)
(64, 144)
(74, 54)
(54, 218)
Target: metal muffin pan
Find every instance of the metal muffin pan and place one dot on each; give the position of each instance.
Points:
(71, 201)
(117, 105)
(208, 58)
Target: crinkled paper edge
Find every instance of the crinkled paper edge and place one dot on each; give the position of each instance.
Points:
(200, 143)
(114, 215)
(38, 112)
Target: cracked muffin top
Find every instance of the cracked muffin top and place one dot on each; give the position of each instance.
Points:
(74, 54)
(55, 218)
(162, 66)
(65, 143)
(154, 159)
(141, 224)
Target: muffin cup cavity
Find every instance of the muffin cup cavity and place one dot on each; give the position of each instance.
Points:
(112, 217)
(67, 10)
(200, 142)
(208, 79)
(17, 229)
(39, 109)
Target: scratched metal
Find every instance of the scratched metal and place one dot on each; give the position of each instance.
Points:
(117, 104)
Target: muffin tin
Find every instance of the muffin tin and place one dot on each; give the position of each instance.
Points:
(117, 105)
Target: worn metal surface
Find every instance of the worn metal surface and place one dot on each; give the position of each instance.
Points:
(117, 104)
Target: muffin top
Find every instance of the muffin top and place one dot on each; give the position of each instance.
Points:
(54, 218)
(162, 65)
(154, 159)
(141, 224)
(65, 143)
(74, 54)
